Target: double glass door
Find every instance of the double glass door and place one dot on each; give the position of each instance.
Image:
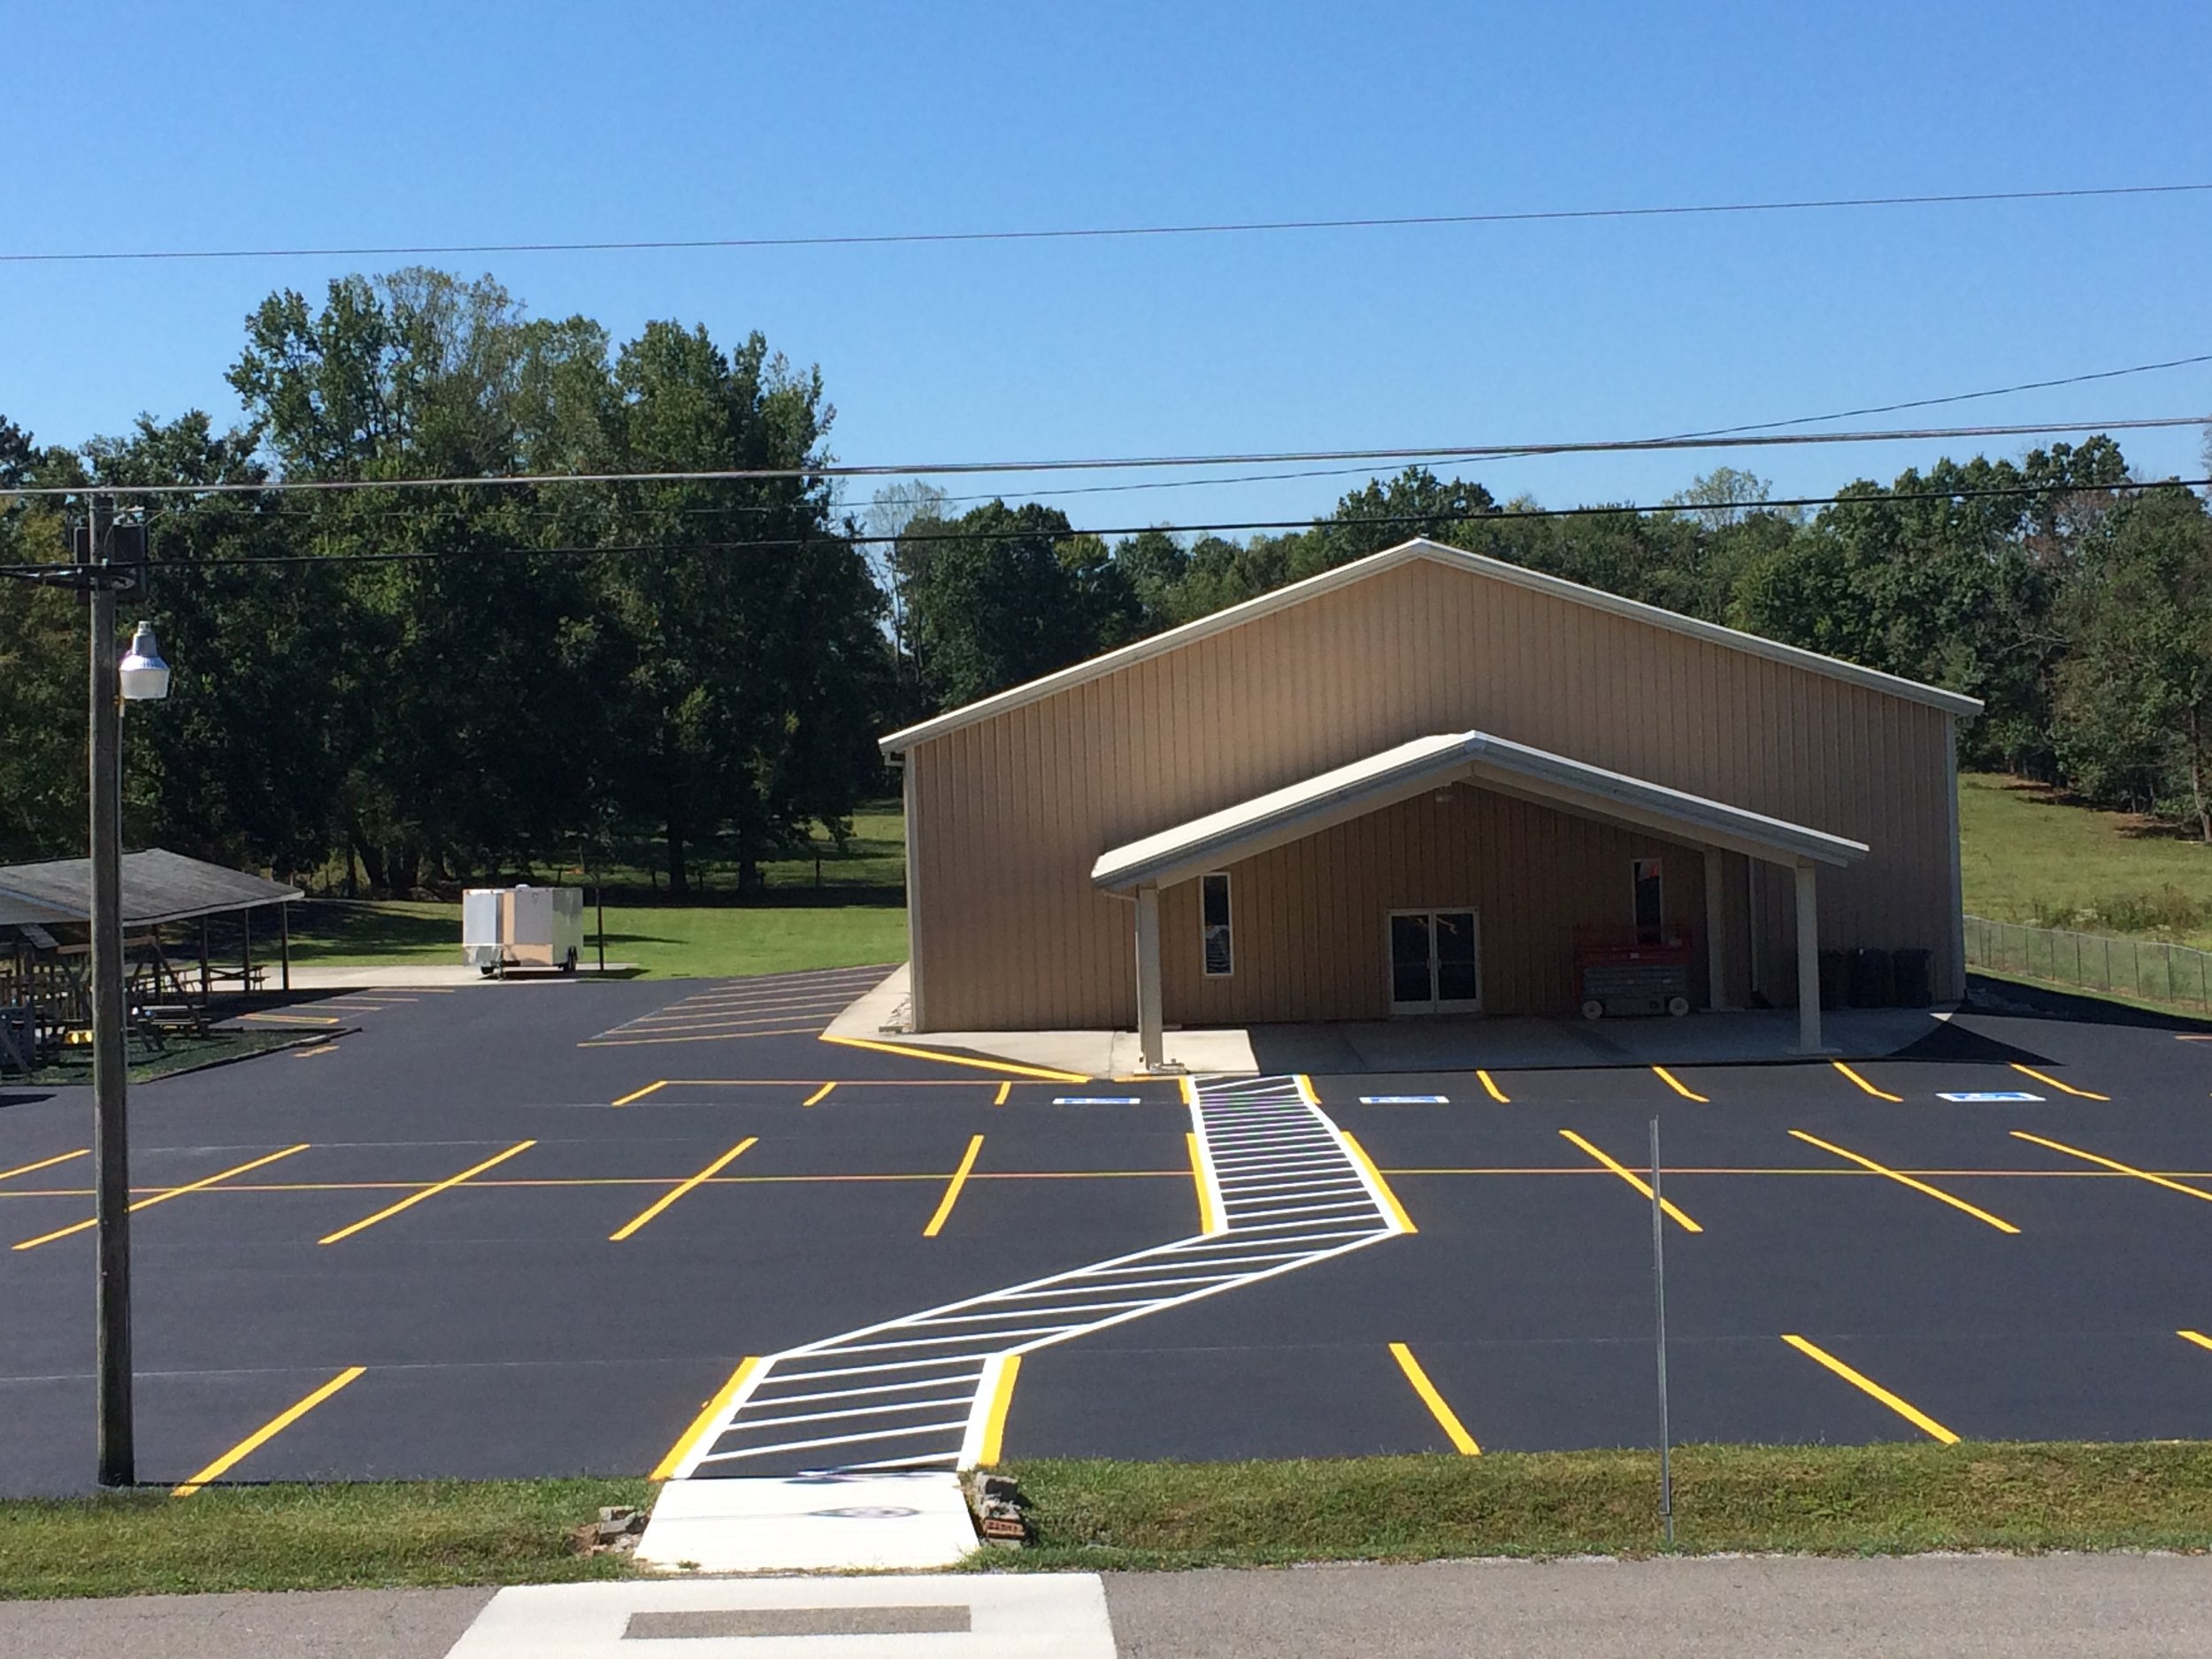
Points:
(1435, 961)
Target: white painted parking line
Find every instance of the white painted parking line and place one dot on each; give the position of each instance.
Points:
(1049, 1616)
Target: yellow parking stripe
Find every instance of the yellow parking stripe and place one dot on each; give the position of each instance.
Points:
(268, 1431)
(412, 1199)
(709, 1414)
(43, 1164)
(819, 1095)
(1396, 1211)
(2063, 1088)
(1010, 1367)
(678, 1190)
(164, 1197)
(1912, 1413)
(1455, 1430)
(1004, 1090)
(1208, 1223)
(1045, 1072)
(1305, 1090)
(295, 1019)
(1491, 1088)
(2114, 1163)
(952, 1190)
(2197, 1337)
(1937, 1194)
(641, 1093)
(1680, 1088)
(1878, 1094)
(1633, 1179)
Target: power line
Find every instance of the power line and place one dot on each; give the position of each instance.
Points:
(1466, 451)
(1484, 516)
(1348, 471)
(1104, 232)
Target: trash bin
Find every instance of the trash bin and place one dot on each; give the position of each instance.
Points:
(1831, 978)
(1914, 987)
(1869, 983)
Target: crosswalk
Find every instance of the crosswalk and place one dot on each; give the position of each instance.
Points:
(1285, 1188)
(769, 1005)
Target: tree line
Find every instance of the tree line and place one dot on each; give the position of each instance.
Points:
(396, 690)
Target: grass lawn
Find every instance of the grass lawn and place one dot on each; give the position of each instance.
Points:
(2028, 858)
(854, 918)
(1824, 1500)
(775, 936)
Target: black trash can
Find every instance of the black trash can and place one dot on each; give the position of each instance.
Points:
(1868, 985)
(1915, 988)
(1831, 978)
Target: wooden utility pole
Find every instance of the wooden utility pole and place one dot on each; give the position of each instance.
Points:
(110, 1140)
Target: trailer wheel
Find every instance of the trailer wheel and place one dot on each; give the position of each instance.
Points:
(1678, 1006)
(569, 966)
(1592, 1010)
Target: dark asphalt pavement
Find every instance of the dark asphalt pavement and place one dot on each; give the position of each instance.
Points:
(503, 1333)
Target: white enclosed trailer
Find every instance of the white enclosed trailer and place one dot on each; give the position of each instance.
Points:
(523, 926)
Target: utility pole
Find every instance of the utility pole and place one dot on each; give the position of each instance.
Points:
(111, 1295)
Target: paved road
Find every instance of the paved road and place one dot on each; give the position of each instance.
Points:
(2081, 1606)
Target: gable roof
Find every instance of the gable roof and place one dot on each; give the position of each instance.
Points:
(1374, 564)
(1343, 793)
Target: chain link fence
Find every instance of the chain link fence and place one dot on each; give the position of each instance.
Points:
(2143, 968)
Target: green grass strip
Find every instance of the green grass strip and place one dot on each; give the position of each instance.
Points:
(1809, 1500)
(307, 1537)
(1820, 1500)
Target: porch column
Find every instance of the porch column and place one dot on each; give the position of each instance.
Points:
(1807, 961)
(1715, 937)
(1149, 1020)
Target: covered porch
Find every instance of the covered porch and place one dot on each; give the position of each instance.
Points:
(1310, 810)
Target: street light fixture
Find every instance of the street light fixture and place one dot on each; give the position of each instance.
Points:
(145, 676)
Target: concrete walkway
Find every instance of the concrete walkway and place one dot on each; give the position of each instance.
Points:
(1449, 1043)
(433, 975)
(2053, 1607)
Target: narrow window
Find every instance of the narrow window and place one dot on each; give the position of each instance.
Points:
(1213, 902)
(1648, 905)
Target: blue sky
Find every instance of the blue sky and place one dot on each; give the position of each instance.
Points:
(257, 125)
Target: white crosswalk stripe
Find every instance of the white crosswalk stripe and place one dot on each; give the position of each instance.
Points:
(1286, 1189)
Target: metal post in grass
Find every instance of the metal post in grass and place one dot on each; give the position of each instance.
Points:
(1659, 1295)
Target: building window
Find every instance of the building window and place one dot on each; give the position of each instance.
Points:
(1649, 905)
(1213, 905)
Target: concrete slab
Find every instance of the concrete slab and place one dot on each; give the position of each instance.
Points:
(1460, 1043)
(1047, 1617)
(885, 1013)
(899, 1521)
(398, 975)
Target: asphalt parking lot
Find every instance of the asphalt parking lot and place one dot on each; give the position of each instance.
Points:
(529, 1228)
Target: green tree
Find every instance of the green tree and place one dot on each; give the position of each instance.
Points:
(2134, 695)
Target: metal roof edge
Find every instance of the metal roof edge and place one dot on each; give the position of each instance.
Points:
(1097, 667)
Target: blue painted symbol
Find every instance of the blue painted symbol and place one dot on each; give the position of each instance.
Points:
(1405, 1100)
(1096, 1099)
(1987, 1097)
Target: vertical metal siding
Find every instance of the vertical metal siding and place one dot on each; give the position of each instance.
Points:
(1010, 812)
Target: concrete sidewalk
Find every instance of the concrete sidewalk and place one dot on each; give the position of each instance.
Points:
(2054, 1607)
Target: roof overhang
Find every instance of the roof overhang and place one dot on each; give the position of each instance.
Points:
(1520, 576)
(1337, 796)
(158, 886)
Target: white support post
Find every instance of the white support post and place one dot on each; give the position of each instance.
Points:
(1807, 961)
(1716, 936)
(1149, 1020)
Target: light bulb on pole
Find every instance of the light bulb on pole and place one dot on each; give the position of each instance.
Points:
(143, 675)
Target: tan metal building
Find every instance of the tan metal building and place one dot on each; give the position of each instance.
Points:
(1411, 785)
